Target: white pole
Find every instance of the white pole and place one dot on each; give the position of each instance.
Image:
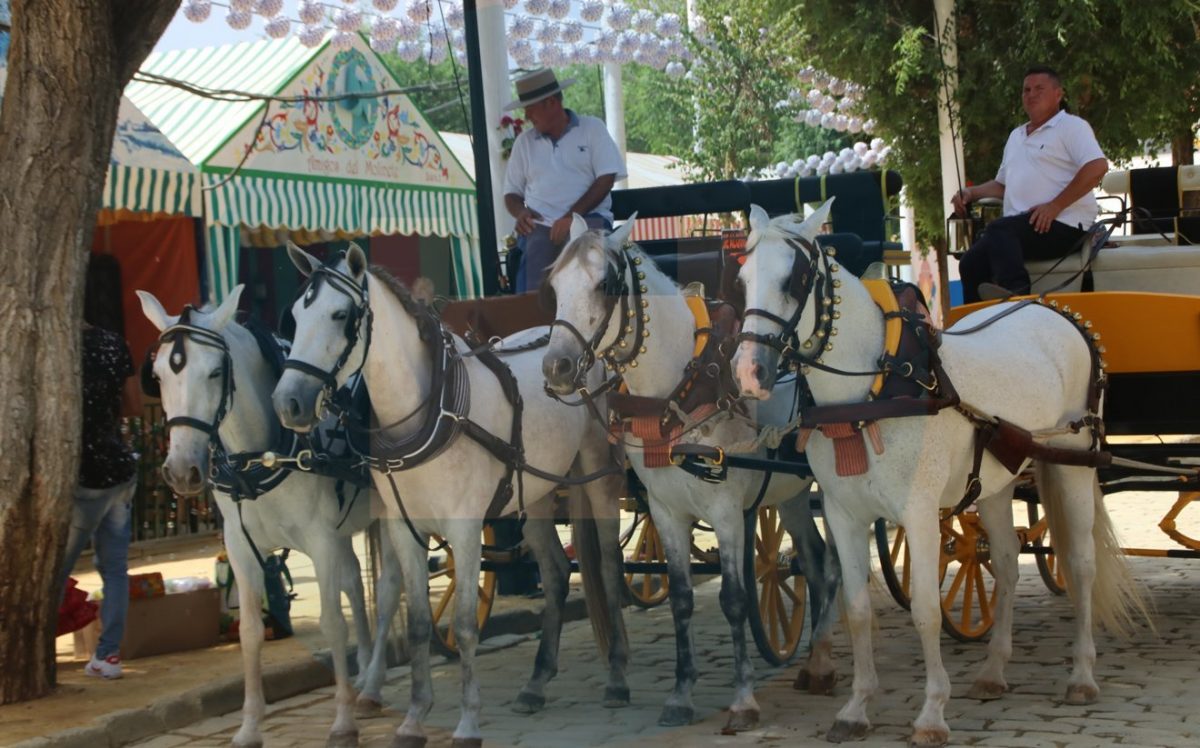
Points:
(614, 109)
(951, 148)
(497, 92)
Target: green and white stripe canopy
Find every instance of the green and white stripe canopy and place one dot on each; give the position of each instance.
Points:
(362, 163)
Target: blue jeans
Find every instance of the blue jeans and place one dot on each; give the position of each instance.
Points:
(538, 252)
(102, 515)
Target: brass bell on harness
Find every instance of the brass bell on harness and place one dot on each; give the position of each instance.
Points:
(807, 344)
(833, 267)
(831, 251)
(629, 313)
(637, 260)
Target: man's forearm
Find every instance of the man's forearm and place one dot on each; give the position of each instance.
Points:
(990, 188)
(594, 195)
(514, 203)
(1085, 180)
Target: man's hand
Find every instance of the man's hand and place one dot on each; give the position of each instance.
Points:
(525, 221)
(1043, 215)
(560, 231)
(960, 201)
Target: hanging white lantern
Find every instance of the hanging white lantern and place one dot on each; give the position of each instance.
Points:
(559, 9)
(571, 32)
(384, 6)
(408, 31)
(845, 154)
(836, 167)
(699, 27)
(268, 8)
(238, 19)
(827, 121)
(437, 52)
(536, 7)
(550, 55)
(520, 27)
(347, 20)
(840, 122)
(876, 143)
(312, 36)
(644, 21)
(629, 41)
(826, 105)
(812, 118)
(782, 168)
(804, 172)
(520, 50)
(668, 25)
(869, 126)
(822, 169)
(643, 56)
(606, 41)
(815, 96)
(806, 74)
(812, 161)
(278, 27)
(794, 97)
(820, 79)
(548, 33)
(869, 159)
(591, 10)
(311, 12)
(860, 148)
(455, 18)
(385, 29)
(243, 6)
(619, 16)
(676, 47)
(675, 69)
(197, 11)
(409, 51)
(854, 125)
(420, 11)
(342, 40)
(459, 41)
(837, 86)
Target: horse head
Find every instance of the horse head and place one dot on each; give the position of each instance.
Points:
(194, 372)
(778, 275)
(332, 325)
(583, 287)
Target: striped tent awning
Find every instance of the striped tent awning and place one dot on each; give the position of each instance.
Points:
(143, 190)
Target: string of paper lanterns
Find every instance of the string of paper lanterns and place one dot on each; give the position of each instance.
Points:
(859, 156)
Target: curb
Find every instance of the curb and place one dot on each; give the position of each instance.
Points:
(281, 681)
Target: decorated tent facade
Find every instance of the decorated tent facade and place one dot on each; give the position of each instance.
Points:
(328, 157)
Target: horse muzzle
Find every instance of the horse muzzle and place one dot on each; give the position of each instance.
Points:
(756, 368)
(185, 477)
(296, 402)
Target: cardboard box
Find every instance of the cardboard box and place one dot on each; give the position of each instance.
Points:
(172, 623)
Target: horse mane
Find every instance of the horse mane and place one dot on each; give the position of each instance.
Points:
(579, 247)
(786, 226)
(398, 289)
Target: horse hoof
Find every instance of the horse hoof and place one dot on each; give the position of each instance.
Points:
(803, 680)
(843, 731)
(342, 739)
(408, 741)
(822, 684)
(986, 690)
(740, 721)
(615, 698)
(527, 703)
(676, 716)
(246, 743)
(466, 743)
(1082, 694)
(367, 708)
(930, 737)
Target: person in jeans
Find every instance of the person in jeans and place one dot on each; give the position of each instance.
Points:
(107, 470)
(566, 163)
(1051, 165)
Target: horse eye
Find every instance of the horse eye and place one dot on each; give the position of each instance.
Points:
(340, 315)
(215, 373)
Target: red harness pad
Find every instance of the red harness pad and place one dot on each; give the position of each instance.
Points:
(657, 449)
(849, 447)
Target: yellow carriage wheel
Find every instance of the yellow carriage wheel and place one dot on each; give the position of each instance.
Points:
(777, 621)
(647, 589)
(891, 542)
(443, 582)
(968, 589)
(1039, 537)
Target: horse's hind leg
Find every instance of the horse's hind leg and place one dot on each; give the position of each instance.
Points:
(352, 585)
(415, 573)
(328, 556)
(249, 576)
(464, 540)
(823, 574)
(556, 573)
(729, 524)
(996, 515)
(676, 535)
(387, 601)
(602, 510)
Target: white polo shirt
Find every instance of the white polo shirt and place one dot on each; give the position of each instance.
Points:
(1036, 167)
(551, 175)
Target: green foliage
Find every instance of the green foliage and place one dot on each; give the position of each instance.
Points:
(1130, 67)
(440, 96)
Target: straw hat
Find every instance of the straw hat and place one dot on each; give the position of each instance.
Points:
(535, 86)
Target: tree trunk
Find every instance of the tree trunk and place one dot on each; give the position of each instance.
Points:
(68, 63)
(1183, 148)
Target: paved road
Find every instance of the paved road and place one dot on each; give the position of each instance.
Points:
(1150, 690)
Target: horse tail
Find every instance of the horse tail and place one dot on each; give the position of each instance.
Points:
(1117, 600)
(585, 538)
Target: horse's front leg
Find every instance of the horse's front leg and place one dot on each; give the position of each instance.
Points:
(730, 526)
(351, 584)
(924, 543)
(824, 575)
(850, 538)
(996, 515)
(387, 598)
(556, 573)
(675, 532)
(249, 576)
(601, 507)
(413, 558)
(464, 537)
(327, 556)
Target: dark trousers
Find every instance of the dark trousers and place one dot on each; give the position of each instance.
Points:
(999, 255)
(538, 253)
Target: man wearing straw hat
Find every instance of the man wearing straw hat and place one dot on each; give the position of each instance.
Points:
(566, 163)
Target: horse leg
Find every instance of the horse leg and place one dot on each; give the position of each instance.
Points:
(464, 537)
(414, 567)
(924, 543)
(996, 515)
(675, 532)
(387, 601)
(328, 556)
(1068, 493)
(850, 537)
(556, 574)
(352, 586)
(249, 576)
(602, 512)
(729, 524)
(818, 560)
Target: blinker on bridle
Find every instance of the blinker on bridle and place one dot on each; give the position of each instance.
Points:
(177, 359)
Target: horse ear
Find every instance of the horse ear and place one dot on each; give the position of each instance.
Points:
(812, 225)
(228, 308)
(579, 226)
(303, 261)
(153, 309)
(759, 220)
(356, 261)
(621, 235)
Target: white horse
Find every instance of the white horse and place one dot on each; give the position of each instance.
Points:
(1031, 367)
(351, 316)
(598, 282)
(216, 383)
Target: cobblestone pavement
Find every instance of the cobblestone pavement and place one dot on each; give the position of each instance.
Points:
(1148, 684)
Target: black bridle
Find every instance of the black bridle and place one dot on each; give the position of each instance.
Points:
(177, 359)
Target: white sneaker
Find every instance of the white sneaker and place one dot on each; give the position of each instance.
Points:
(109, 668)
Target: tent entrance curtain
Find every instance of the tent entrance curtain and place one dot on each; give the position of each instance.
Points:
(224, 248)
